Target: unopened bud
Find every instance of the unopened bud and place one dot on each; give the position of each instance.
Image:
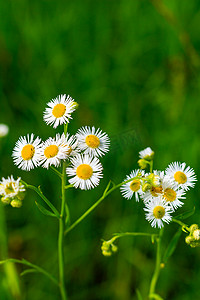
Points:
(16, 203)
(146, 186)
(5, 200)
(193, 227)
(196, 234)
(142, 163)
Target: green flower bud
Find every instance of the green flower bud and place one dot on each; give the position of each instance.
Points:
(142, 163)
(5, 200)
(114, 248)
(16, 203)
(193, 227)
(146, 186)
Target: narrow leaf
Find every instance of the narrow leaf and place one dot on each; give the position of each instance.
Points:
(155, 296)
(139, 296)
(44, 210)
(172, 245)
(186, 214)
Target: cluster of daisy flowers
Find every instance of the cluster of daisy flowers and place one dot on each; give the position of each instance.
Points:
(12, 191)
(81, 151)
(161, 191)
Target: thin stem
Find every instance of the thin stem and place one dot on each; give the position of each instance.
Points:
(105, 194)
(124, 234)
(181, 224)
(60, 239)
(56, 171)
(157, 266)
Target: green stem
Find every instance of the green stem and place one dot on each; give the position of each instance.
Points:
(183, 225)
(60, 239)
(124, 234)
(56, 171)
(105, 194)
(157, 266)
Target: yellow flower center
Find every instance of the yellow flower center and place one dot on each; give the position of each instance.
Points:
(84, 171)
(155, 190)
(92, 141)
(51, 151)
(69, 150)
(169, 194)
(159, 212)
(135, 185)
(9, 188)
(180, 177)
(27, 152)
(59, 110)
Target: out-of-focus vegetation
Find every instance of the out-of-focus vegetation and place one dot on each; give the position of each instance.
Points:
(134, 68)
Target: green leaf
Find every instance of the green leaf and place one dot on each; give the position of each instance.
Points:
(139, 296)
(186, 214)
(172, 245)
(155, 296)
(44, 210)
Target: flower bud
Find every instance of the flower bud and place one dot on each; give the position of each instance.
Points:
(142, 163)
(193, 227)
(196, 234)
(16, 203)
(146, 186)
(5, 200)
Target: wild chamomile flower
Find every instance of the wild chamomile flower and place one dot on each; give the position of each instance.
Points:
(132, 187)
(71, 143)
(172, 195)
(26, 153)
(146, 154)
(180, 175)
(157, 212)
(4, 129)
(53, 151)
(86, 172)
(10, 188)
(92, 142)
(59, 110)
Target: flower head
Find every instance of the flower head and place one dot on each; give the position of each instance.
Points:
(4, 129)
(86, 171)
(71, 143)
(11, 190)
(92, 142)
(134, 186)
(26, 153)
(146, 154)
(53, 151)
(180, 175)
(158, 212)
(59, 110)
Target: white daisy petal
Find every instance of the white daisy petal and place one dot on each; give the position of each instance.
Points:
(92, 142)
(26, 153)
(147, 153)
(86, 172)
(59, 110)
(53, 151)
(158, 212)
(10, 188)
(132, 187)
(181, 176)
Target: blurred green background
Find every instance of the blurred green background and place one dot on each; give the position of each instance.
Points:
(134, 68)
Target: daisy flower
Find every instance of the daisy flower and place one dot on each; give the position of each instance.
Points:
(132, 187)
(59, 110)
(71, 143)
(94, 143)
(10, 188)
(26, 153)
(147, 154)
(172, 195)
(53, 151)
(86, 172)
(180, 175)
(157, 212)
